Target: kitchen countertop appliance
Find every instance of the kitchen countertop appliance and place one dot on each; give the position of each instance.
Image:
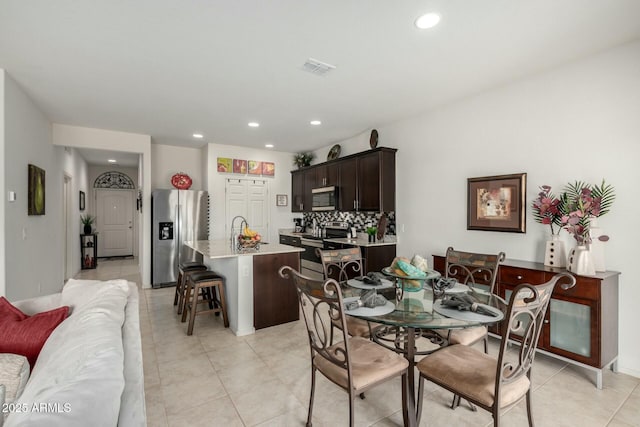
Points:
(177, 216)
(298, 225)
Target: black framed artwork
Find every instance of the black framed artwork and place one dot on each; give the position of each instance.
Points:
(497, 203)
(82, 201)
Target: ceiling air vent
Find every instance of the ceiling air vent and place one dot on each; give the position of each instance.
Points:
(316, 67)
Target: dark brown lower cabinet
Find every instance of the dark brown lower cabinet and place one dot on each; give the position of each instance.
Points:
(581, 325)
(275, 300)
(378, 257)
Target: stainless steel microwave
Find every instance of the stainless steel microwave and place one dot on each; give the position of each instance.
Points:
(324, 199)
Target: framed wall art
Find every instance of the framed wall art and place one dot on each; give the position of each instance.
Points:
(36, 193)
(281, 200)
(497, 203)
(82, 201)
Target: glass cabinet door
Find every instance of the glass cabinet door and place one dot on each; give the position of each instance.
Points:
(570, 327)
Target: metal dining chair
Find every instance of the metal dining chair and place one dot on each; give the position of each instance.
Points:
(355, 364)
(490, 383)
(340, 265)
(471, 269)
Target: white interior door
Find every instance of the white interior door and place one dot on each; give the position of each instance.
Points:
(114, 219)
(248, 197)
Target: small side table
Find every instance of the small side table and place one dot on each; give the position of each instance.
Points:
(88, 251)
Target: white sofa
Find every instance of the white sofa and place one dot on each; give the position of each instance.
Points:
(89, 371)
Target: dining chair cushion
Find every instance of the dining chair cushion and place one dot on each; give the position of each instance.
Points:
(471, 372)
(466, 336)
(370, 363)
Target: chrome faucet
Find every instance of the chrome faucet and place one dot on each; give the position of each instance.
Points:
(234, 236)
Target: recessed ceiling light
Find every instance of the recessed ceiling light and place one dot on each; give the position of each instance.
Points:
(315, 122)
(198, 135)
(253, 124)
(112, 161)
(268, 145)
(428, 20)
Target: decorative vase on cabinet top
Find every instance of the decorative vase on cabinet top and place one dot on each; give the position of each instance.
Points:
(555, 254)
(581, 262)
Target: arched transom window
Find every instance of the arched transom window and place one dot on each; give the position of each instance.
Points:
(114, 179)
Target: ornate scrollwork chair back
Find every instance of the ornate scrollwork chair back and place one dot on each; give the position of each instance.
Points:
(495, 384)
(341, 265)
(321, 304)
(473, 269)
(355, 364)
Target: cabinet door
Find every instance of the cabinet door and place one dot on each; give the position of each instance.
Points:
(378, 257)
(327, 175)
(348, 177)
(310, 182)
(297, 191)
(369, 182)
(571, 323)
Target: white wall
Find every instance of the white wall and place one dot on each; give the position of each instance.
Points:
(168, 160)
(3, 241)
(75, 167)
(577, 122)
(33, 244)
(73, 136)
(280, 183)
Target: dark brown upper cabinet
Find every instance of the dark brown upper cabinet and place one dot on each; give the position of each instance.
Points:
(366, 181)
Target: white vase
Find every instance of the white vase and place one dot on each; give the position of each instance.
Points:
(581, 262)
(597, 246)
(555, 254)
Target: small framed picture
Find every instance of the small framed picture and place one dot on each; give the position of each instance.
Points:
(497, 203)
(82, 201)
(281, 200)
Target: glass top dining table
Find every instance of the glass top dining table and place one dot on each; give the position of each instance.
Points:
(417, 314)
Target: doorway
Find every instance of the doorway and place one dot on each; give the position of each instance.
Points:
(248, 198)
(114, 222)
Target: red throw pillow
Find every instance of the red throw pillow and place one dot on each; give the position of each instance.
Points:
(25, 335)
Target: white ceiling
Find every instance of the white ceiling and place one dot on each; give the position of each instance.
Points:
(168, 68)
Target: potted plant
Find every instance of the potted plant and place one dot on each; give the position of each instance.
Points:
(87, 221)
(303, 159)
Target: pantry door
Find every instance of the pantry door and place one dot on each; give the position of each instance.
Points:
(248, 198)
(114, 218)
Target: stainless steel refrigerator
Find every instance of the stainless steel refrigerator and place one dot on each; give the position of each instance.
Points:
(178, 216)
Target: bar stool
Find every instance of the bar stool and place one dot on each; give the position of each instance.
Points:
(184, 269)
(204, 284)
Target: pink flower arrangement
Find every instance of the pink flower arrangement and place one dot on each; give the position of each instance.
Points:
(546, 209)
(579, 203)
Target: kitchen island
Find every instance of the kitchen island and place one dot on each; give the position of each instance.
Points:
(257, 297)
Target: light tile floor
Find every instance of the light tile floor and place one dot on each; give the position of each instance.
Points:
(214, 378)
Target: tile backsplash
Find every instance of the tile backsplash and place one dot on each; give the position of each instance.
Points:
(360, 220)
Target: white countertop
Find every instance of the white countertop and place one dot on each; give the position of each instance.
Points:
(222, 249)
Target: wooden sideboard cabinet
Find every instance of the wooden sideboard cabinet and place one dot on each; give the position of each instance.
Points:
(581, 325)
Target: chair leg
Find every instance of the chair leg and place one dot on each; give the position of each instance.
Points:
(351, 405)
(529, 409)
(486, 344)
(193, 307)
(419, 402)
(178, 288)
(313, 390)
(223, 304)
(455, 402)
(186, 300)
